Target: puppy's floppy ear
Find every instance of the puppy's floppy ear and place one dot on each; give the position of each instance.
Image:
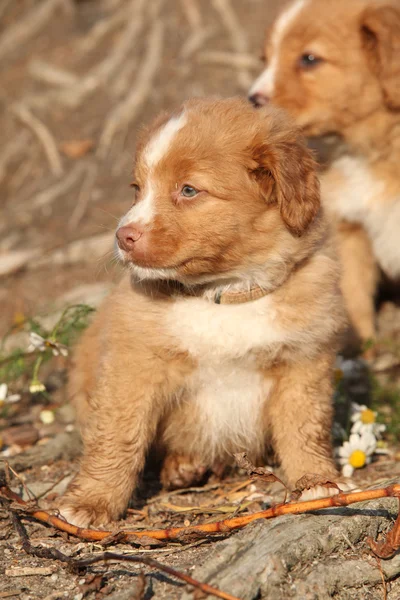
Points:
(380, 30)
(286, 173)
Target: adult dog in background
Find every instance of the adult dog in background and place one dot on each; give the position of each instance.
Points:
(335, 66)
(222, 335)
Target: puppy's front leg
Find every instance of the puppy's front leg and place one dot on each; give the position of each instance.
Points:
(299, 414)
(119, 426)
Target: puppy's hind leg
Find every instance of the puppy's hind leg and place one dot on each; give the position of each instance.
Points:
(181, 471)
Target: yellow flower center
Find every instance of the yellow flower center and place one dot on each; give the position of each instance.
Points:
(357, 459)
(367, 416)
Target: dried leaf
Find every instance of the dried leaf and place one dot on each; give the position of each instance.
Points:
(309, 481)
(76, 148)
(255, 472)
(93, 583)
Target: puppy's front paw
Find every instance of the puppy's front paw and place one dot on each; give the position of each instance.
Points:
(181, 472)
(322, 491)
(83, 514)
(88, 502)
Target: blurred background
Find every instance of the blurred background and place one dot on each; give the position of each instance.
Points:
(78, 78)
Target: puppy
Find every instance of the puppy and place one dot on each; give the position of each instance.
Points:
(335, 66)
(222, 335)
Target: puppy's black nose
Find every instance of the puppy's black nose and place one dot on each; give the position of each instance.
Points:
(127, 236)
(258, 99)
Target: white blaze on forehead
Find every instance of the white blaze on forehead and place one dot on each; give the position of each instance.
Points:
(159, 144)
(265, 84)
(144, 211)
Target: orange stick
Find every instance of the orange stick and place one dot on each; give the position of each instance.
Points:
(224, 526)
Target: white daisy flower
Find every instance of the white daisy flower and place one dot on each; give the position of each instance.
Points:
(357, 452)
(6, 398)
(364, 421)
(58, 348)
(36, 387)
(37, 342)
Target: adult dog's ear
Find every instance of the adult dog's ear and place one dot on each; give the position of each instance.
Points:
(380, 30)
(287, 174)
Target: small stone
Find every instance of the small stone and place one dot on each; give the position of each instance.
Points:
(20, 435)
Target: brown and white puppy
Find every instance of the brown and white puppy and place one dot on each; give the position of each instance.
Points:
(222, 335)
(335, 66)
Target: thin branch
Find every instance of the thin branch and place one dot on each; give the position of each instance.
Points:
(84, 197)
(125, 112)
(225, 526)
(192, 13)
(101, 74)
(43, 71)
(27, 27)
(76, 565)
(229, 59)
(44, 136)
(150, 562)
(13, 149)
(50, 194)
(238, 38)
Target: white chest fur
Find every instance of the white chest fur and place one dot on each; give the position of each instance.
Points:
(351, 190)
(227, 388)
(205, 329)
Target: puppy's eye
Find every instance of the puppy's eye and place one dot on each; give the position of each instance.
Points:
(308, 60)
(188, 191)
(136, 191)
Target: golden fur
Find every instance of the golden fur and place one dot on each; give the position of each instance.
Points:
(163, 365)
(350, 88)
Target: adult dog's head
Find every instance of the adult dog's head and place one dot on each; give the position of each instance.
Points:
(332, 63)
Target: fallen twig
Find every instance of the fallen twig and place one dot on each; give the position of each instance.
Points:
(77, 565)
(43, 135)
(50, 194)
(229, 59)
(25, 28)
(13, 149)
(84, 197)
(125, 112)
(101, 74)
(192, 13)
(236, 33)
(227, 525)
(47, 73)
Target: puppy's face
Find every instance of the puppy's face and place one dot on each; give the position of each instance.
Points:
(331, 63)
(218, 190)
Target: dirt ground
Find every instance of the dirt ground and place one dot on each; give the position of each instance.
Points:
(78, 78)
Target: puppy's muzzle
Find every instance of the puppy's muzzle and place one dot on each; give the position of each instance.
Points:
(127, 237)
(259, 99)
